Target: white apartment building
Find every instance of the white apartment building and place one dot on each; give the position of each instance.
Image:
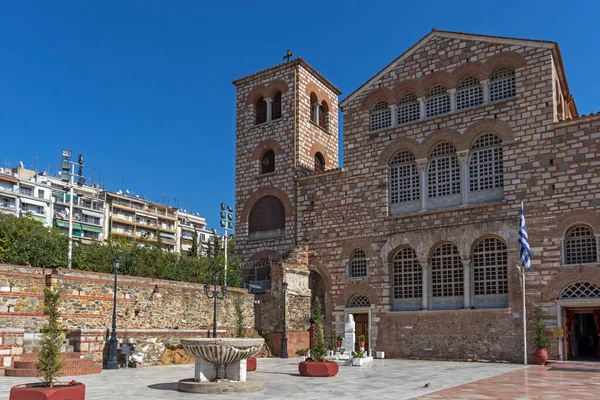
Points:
(24, 193)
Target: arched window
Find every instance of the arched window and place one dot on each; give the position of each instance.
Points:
(486, 170)
(276, 106)
(358, 264)
(502, 84)
(581, 245)
(490, 267)
(469, 93)
(444, 172)
(261, 111)
(359, 301)
(319, 162)
(381, 116)
(446, 272)
(404, 178)
(438, 101)
(268, 214)
(324, 116)
(257, 276)
(579, 290)
(407, 275)
(314, 115)
(408, 108)
(267, 163)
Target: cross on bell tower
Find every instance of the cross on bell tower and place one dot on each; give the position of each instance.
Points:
(288, 55)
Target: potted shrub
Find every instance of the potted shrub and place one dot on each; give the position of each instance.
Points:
(361, 341)
(357, 357)
(318, 367)
(240, 328)
(50, 361)
(301, 353)
(540, 339)
(339, 341)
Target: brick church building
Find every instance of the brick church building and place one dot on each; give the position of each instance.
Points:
(417, 234)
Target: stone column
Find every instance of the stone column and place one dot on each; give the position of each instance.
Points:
(422, 107)
(424, 262)
(394, 109)
(467, 282)
(452, 93)
(422, 166)
(269, 108)
(485, 84)
(463, 160)
(315, 110)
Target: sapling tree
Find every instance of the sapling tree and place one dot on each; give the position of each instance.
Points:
(318, 350)
(52, 339)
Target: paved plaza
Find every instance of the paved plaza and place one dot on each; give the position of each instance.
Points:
(384, 379)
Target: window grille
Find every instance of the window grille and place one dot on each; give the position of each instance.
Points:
(469, 93)
(319, 162)
(444, 171)
(359, 301)
(502, 84)
(404, 178)
(276, 110)
(261, 111)
(408, 275)
(438, 101)
(267, 214)
(446, 271)
(580, 290)
(381, 116)
(408, 109)
(490, 267)
(581, 246)
(358, 264)
(486, 170)
(268, 162)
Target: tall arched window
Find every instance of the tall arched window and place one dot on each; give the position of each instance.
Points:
(319, 162)
(502, 84)
(358, 264)
(267, 215)
(469, 93)
(261, 111)
(444, 172)
(408, 108)
(267, 163)
(276, 106)
(314, 115)
(486, 170)
(407, 275)
(580, 246)
(446, 276)
(490, 267)
(381, 116)
(438, 101)
(324, 115)
(404, 178)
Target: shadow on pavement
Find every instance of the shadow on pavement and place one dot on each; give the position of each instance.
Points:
(164, 386)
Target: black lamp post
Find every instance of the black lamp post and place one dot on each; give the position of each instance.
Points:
(215, 295)
(284, 353)
(113, 362)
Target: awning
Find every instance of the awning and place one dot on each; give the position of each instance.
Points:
(36, 217)
(12, 196)
(58, 194)
(65, 224)
(8, 179)
(167, 235)
(92, 213)
(89, 228)
(34, 202)
(145, 215)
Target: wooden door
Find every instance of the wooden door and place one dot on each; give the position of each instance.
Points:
(362, 328)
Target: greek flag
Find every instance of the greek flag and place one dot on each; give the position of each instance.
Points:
(524, 241)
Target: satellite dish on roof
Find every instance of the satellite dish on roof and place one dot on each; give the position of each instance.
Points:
(21, 164)
(127, 191)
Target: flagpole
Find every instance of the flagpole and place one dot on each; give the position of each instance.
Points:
(524, 322)
(525, 262)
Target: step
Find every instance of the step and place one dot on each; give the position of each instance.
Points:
(69, 362)
(32, 372)
(34, 356)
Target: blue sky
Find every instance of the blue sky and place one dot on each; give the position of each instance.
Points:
(143, 88)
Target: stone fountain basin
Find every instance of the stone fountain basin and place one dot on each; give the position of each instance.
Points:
(222, 351)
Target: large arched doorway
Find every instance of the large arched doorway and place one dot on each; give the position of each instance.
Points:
(360, 307)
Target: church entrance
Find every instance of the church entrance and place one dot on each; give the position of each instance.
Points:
(361, 328)
(582, 327)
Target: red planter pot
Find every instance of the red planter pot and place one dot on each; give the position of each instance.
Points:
(541, 356)
(251, 364)
(34, 392)
(318, 369)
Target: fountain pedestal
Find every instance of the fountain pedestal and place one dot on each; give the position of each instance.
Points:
(221, 365)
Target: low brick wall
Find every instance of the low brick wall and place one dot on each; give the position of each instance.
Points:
(11, 346)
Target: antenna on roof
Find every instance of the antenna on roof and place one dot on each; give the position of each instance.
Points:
(175, 201)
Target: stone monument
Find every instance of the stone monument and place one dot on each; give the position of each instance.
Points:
(349, 335)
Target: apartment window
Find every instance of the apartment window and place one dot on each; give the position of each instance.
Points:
(358, 264)
(486, 170)
(276, 106)
(438, 101)
(404, 178)
(408, 108)
(490, 267)
(444, 171)
(26, 191)
(381, 116)
(407, 275)
(41, 193)
(469, 93)
(267, 164)
(446, 272)
(261, 111)
(580, 246)
(502, 84)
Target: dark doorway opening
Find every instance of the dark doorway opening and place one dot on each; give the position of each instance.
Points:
(585, 338)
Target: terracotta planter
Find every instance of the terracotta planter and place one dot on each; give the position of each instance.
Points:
(339, 343)
(251, 364)
(32, 391)
(541, 356)
(361, 344)
(318, 369)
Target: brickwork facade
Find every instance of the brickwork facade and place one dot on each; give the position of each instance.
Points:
(546, 155)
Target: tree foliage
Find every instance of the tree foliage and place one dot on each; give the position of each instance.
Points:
(24, 241)
(318, 350)
(238, 304)
(540, 338)
(50, 361)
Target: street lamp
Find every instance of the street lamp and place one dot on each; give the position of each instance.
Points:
(215, 295)
(113, 362)
(227, 225)
(284, 353)
(68, 175)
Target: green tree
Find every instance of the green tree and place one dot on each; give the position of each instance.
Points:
(318, 350)
(194, 250)
(52, 339)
